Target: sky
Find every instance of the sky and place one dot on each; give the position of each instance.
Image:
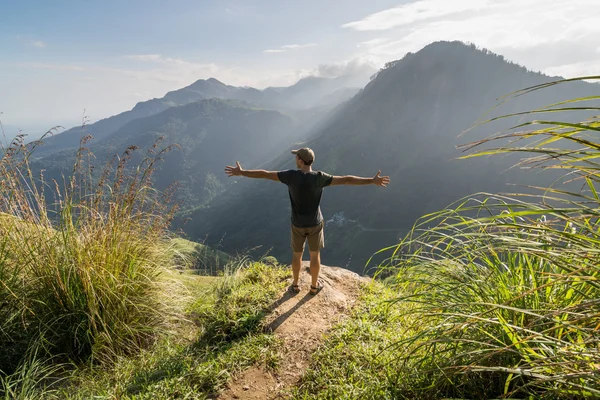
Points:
(65, 60)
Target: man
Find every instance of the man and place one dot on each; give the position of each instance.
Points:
(305, 188)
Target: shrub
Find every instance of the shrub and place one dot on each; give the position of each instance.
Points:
(80, 275)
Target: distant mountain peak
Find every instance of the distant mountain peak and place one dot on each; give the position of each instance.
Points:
(456, 51)
(205, 82)
(214, 80)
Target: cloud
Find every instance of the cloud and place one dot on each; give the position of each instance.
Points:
(373, 42)
(171, 73)
(358, 66)
(173, 64)
(543, 35)
(143, 57)
(414, 12)
(579, 69)
(297, 46)
(287, 47)
(54, 67)
(31, 42)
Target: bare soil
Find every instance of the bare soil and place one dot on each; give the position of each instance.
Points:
(301, 321)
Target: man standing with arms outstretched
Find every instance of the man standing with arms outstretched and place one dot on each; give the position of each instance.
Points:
(305, 188)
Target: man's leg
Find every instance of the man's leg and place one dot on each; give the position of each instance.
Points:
(296, 266)
(316, 241)
(315, 267)
(297, 243)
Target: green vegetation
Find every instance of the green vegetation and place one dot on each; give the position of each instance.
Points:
(198, 258)
(353, 362)
(508, 289)
(220, 336)
(82, 276)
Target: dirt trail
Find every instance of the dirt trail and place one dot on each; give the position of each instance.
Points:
(300, 320)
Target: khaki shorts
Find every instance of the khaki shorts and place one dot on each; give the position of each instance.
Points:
(314, 235)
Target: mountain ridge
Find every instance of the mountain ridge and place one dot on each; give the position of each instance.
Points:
(287, 99)
(204, 131)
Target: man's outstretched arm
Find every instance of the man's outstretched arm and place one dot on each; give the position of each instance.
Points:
(250, 173)
(357, 180)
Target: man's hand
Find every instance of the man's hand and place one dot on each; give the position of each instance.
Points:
(234, 171)
(381, 180)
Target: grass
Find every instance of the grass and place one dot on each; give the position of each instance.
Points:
(80, 275)
(214, 343)
(192, 361)
(198, 258)
(506, 289)
(352, 362)
(83, 266)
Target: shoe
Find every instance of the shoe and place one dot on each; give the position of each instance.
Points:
(295, 288)
(316, 289)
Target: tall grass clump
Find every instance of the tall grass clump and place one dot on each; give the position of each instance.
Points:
(504, 291)
(82, 260)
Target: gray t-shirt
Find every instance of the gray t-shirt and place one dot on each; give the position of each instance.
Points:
(305, 189)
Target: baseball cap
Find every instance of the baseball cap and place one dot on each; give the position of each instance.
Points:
(306, 154)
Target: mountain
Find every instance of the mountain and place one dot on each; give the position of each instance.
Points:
(315, 94)
(405, 123)
(314, 91)
(207, 132)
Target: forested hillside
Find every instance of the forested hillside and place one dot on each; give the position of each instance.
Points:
(205, 132)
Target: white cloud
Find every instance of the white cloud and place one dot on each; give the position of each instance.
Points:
(358, 66)
(543, 35)
(413, 12)
(287, 47)
(297, 46)
(170, 69)
(373, 42)
(143, 57)
(575, 70)
(31, 42)
(55, 67)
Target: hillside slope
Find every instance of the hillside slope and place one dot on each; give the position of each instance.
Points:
(405, 123)
(207, 132)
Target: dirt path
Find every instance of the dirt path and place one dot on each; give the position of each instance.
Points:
(300, 320)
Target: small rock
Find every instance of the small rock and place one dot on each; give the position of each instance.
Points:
(246, 387)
